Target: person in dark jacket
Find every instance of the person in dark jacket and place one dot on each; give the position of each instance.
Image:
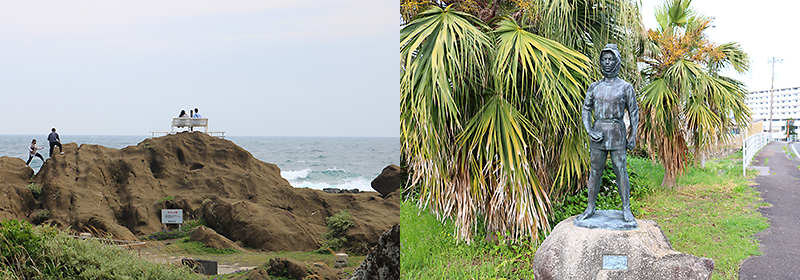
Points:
(54, 141)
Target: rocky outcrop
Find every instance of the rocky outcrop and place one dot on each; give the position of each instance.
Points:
(92, 188)
(212, 239)
(383, 261)
(286, 267)
(16, 201)
(389, 180)
(572, 252)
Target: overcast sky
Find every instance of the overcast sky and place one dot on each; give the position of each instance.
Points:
(261, 68)
(765, 29)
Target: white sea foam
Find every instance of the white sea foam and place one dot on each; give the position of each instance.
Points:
(294, 175)
(360, 184)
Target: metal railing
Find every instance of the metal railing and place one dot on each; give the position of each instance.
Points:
(751, 146)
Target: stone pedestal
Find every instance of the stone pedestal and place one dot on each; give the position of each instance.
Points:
(572, 252)
(340, 260)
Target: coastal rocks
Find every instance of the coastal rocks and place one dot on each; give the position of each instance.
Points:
(212, 239)
(293, 269)
(389, 180)
(383, 262)
(572, 252)
(96, 189)
(335, 190)
(16, 201)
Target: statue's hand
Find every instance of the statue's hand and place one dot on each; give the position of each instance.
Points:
(595, 136)
(631, 144)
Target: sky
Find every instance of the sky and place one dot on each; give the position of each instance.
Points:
(765, 29)
(254, 68)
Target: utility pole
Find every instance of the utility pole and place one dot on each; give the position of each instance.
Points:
(772, 91)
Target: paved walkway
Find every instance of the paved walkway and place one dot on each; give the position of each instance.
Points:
(781, 241)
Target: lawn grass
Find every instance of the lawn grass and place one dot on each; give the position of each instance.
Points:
(429, 251)
(711, 213)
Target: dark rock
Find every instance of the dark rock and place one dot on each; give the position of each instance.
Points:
(572, 252)
(383, 262)
(323, 272)
(389, 180)
(332, 190)
(257, 274)
(201, 266)
(286, 267)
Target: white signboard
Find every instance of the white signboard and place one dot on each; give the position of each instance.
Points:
(171, 216)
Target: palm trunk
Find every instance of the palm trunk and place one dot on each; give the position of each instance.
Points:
(669, 180)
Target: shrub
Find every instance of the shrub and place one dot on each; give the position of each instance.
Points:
(35, 189)
(186, 230)
(332, 240)
(46, 253)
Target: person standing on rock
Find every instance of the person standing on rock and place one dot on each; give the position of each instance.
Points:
(607, 100)
(54, 141)
(34, 151)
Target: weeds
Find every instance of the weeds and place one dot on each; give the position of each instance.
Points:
(186, 230)
(168, 198)
(195, 247)
(35, 189)
(47, 253)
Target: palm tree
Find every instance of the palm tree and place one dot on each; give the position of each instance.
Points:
(474, 105)
(687, 101)
(490, 117)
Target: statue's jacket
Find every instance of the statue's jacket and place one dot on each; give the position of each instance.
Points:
(615, 96)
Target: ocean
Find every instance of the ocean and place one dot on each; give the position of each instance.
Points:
(306, 162)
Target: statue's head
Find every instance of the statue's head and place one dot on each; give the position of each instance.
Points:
(610, 61)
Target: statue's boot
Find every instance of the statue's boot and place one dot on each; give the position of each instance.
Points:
(586, 214)
(627, 214)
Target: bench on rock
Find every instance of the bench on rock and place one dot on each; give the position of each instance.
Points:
(190, 122)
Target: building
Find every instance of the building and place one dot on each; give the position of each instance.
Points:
(785, 105)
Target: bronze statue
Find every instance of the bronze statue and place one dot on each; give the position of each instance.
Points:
(607, 99)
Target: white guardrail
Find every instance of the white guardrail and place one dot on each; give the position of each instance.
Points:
(751, 146)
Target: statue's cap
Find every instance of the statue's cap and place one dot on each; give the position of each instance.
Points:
(612, 48)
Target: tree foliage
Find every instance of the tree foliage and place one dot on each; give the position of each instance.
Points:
(687, 102)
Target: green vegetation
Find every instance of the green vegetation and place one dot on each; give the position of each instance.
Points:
(168, 198)
(643, 175)
(430, 251)
(489, 109)
(332, 240)
(195, 247)
(711, 213)
(686, 100)
(47, 253)
(35, 189)
(186, 230)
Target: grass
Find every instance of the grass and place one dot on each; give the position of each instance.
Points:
(48, 253)
(251, 258)
(429, 251)
(711, 213)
